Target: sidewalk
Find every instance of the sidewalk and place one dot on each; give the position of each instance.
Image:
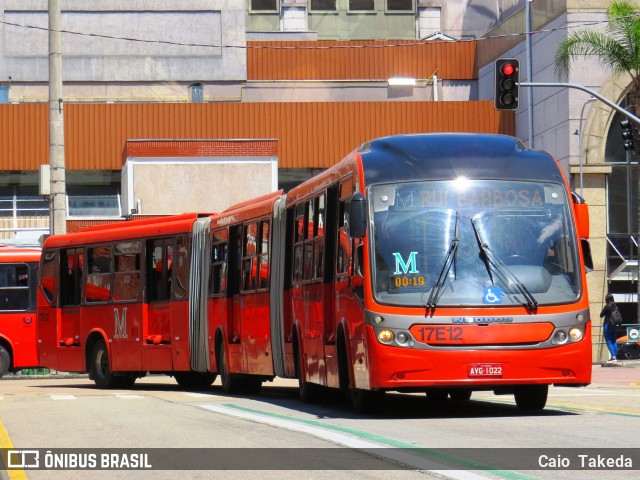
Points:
(625, 372)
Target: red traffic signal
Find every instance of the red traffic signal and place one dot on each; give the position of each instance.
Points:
(507, 77)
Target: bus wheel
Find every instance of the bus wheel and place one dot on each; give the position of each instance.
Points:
(309, 392)
(5, 360)
(531, 397)
(460, 395)
(99, 369)
(231, 383)
(363, 401)
(195, 379)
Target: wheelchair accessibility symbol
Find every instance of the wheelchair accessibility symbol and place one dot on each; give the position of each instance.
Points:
(492, 295)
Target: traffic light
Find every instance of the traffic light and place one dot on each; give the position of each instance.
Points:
(507, 77)
(627, 134)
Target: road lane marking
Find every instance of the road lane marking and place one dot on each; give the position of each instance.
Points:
(6, 443)
(356, 439)
(63, 397)
(128, 396)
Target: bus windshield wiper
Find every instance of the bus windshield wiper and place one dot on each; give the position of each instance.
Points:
(446, 266)
(492, 260)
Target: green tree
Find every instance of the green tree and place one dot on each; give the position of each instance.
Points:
(617, 48)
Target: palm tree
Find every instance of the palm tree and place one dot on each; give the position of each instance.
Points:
(617, 49)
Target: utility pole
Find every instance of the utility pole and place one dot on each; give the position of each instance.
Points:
(58, 218)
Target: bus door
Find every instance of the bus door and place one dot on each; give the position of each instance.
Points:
(105, 309)
(157, 333)
(236, 299)
(218, 305)
(309, 295)
(70, 356)
(328, 218)
(127, 307)
(349, 286)
(255, 321)
(178, 264)
(48, 312)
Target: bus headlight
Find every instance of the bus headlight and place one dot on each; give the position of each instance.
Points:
(402, 338)
(385, 335)
(575, 334)
(560, 337)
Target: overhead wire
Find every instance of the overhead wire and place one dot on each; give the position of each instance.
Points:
(313, 47)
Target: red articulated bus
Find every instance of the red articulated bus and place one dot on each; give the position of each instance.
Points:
(18, 282)
(113, 302)
(438, 263)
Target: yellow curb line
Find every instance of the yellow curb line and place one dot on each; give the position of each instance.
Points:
(5, 443)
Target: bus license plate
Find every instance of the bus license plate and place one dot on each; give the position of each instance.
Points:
(485, 370)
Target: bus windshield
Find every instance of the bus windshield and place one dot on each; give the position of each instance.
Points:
(473, 242)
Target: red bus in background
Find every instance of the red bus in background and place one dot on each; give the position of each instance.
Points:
(113, 302)
(438, 263)
(18, 283)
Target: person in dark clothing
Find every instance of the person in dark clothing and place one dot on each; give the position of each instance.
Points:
(610, 330)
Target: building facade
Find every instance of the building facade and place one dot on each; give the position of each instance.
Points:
(319, 76)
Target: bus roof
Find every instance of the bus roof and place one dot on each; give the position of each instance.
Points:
(441, 156)
(15, 253)
(248, 210)
(126, 231)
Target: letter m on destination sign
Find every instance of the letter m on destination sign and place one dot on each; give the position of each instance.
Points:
(405, 267)
(121, 324)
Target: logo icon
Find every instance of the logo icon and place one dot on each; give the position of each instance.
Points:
(492, 295)
(22, 459)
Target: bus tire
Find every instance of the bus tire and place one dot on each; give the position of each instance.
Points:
(5, 360)
(100, 367)
(531, 397)
(231, 383)
(365, 401)
(308, 392)
(189, 380)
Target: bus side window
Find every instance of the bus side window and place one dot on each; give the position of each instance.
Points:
(181, 268)
(71, 263)
(126, 277)
(219, 258)
(249, 251)
(263, 257)
(14, 291)
(159, 253)
(47, 277)
(298, 240)
(98, 280)
(344, 242)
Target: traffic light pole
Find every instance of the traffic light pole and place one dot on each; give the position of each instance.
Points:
(613, 105)
(629, 115)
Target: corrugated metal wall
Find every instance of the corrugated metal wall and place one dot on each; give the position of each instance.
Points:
(357, 60)
(310, 135)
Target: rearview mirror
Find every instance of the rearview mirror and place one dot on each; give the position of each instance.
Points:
(358, 216)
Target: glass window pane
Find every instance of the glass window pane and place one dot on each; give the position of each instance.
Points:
(399, 5)
(361, 4)
(264, 4)
(326, 5)
(618, 200)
